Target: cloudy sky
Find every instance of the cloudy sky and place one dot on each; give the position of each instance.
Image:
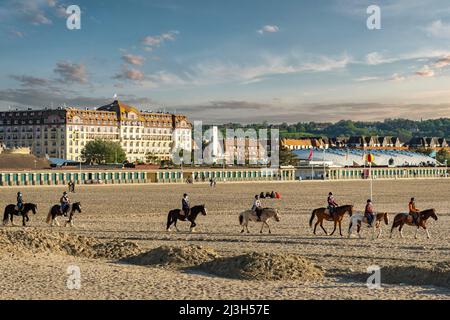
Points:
(233, 60)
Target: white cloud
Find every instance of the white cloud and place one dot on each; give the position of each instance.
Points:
(442, 62)
(365, 79)
(71, 72)
(375, 58)
(156, 41)
(133, 59)
(17, 34)
(439, 29)
(269, 29)
(220, 72)
(397, 77)
(30, 81)
(426, 71)
(163, 78)
(130, 74)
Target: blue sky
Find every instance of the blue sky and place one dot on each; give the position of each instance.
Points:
(231, 60)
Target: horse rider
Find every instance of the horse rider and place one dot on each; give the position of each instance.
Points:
(65, 202)
(331, 204)
(19, 201)
(413, 211)
(257, 207)
(185, 206)
(368, 212)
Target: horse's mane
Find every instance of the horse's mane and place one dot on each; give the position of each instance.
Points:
(427, 211)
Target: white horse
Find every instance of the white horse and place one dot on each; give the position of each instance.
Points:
(250, 215)
(359, 218)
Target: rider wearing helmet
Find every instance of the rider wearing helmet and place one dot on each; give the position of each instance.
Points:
(368, 212)
(185, 206)
(19, 201)
(65, 201)
(413, 211)
(331, 203)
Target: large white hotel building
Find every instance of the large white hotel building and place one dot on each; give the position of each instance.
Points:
(63, 132)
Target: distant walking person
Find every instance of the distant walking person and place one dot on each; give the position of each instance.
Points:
(71, 186)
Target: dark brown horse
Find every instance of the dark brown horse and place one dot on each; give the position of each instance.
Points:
(55, 211)
(404, 218)
(10, 211)
(324, 214)
(176, 214)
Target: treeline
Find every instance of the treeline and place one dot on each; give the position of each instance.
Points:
(403, 128)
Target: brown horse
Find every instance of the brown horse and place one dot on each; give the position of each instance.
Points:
(358, 218)
(404, 218)
(323, 214)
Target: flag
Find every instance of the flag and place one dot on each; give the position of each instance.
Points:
(310, 154)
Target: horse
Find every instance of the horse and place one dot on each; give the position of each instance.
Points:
(359, 218)
(404, 218)
(175, 215)
(323, 214)
(10, 211)
(55, 211)
(250, 215)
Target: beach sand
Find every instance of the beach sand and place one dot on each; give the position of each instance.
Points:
(138, 213)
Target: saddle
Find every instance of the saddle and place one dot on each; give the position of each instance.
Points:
(185, 214)
(415, 217)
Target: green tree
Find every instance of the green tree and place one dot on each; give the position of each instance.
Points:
(442, 156)
(151, 158)
(287, 158)
(103, 151)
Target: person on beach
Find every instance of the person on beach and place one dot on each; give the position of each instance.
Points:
(368, 212)
(185, 206)
(413, 211)
(19, 201)
(331, 201)
(257, 207)
(65, 202)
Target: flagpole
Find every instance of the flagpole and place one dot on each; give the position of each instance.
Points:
(371, 178)
(324, 173)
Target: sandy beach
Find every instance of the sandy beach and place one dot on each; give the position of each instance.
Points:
(138, 214)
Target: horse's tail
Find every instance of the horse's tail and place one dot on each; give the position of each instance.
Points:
(350, 225)
(312, 217)
(49, 216)
(5, 216)
(241, 219)
(169, 220)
